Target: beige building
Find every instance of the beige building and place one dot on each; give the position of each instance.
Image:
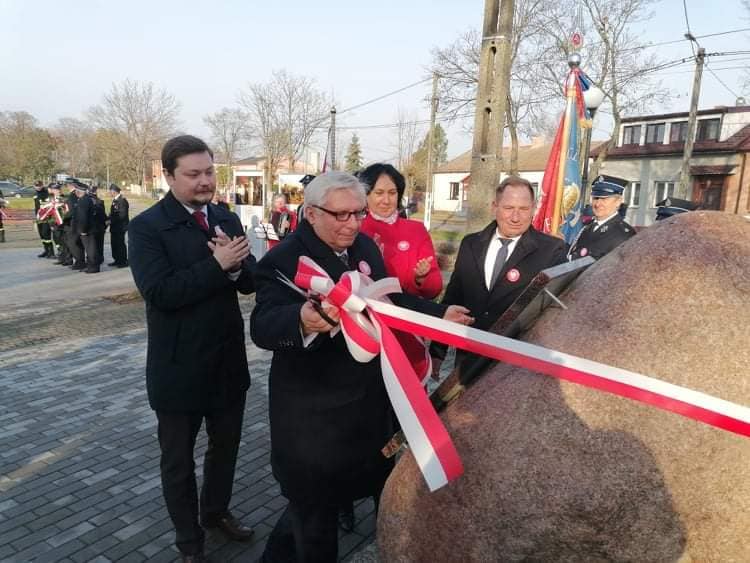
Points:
(649, 154)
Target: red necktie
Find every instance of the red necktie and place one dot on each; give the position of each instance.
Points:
(200, 218)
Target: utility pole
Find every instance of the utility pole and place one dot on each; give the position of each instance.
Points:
(431, 153)
(489, 117)
(333, 138)
(684, 188)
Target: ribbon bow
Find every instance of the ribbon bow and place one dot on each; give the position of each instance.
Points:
(366, 336)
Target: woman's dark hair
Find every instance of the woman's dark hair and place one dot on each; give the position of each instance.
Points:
(368, 176)
(180, 146)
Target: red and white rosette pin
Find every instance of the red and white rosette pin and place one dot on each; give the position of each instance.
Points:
(513, 275)
(366, 337)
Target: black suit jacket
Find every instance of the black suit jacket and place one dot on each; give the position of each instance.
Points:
(598, 243)
(196, 359)
(330, 414)
(119, 215)
(533, 252)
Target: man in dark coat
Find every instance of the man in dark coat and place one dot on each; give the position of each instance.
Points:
(608, 229)
(89, 226)
(71, 233)
(119, 217)
(330, 415)
(189, 259)
(495, 265)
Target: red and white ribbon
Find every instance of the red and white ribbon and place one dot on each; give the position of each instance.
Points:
(366, 337)
(51, 209)
(655, 392)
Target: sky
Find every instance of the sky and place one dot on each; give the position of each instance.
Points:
(59, 57)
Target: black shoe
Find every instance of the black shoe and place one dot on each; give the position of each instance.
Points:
(51, 256)
(123, 265)
(346, 519)
(78, 267)
(91, 271)
(43, 254)
(113, 264)
(231, 527)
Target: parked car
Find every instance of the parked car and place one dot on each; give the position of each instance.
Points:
(28, 191)
(9, 189)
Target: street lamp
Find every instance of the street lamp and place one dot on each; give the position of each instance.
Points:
(593, 98)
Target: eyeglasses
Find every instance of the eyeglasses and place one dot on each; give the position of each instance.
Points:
(343, 216)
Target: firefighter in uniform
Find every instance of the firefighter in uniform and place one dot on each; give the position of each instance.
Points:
(2, 215)
(45, 234)
(608, 229)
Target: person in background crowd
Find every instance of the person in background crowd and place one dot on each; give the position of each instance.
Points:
(330, 415)
(283, 219)
(189, 258)
(41, 197)
(495, 265)
(70, 228)
(55, 221)
(3, 203)
(608, 229)
(119, 217)
(88, 225)
(100, 222)
(406, 245)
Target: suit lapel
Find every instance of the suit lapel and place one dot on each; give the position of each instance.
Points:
(478, 247)
(525, 246)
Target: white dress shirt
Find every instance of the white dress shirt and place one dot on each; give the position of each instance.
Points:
(489, 259)
(598, 223)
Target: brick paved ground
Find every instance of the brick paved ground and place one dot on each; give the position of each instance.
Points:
(79, 478)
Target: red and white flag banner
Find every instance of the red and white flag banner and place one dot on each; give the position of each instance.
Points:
(367, 318)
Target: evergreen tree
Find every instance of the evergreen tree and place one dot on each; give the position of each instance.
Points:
(353, 155)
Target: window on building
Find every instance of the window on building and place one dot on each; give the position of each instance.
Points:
(663, 190)
(654, 133)
(535, 187)
(632, 195)
(708, 130)
(454, 190)
(678, 132)
(631, 135)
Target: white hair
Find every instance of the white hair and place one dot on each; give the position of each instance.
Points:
(317, 191)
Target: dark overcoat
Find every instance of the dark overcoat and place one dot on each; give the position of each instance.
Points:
(119, 215)
(330, 415)
(196, 360)
(602, 241)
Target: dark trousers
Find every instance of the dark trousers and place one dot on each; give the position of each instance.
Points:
(75, 246)
(58, 236)
(119, 250)
(91, 245)
(99, 236)
(305, 533)
(177, 433)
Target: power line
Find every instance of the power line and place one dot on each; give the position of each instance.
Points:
(716, 76)
(383, 96)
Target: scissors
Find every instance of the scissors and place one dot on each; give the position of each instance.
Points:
(313, 298)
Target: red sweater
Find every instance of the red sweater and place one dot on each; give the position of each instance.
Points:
(403, 244)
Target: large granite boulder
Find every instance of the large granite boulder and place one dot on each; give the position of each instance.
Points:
(559, 472)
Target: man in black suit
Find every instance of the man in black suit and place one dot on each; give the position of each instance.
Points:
(189, 259)
(119, 217)
(496, 264)
(89, 225)
(330, 415)
(71, 233)
(608, 229)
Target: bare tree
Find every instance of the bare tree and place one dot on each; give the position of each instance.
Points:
(407, 136)
(302, 108)
(230, 130)
(144, 116)
(262, 109)
(74, 146)
(613, 57)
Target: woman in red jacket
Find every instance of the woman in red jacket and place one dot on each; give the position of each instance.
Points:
(406, 245)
